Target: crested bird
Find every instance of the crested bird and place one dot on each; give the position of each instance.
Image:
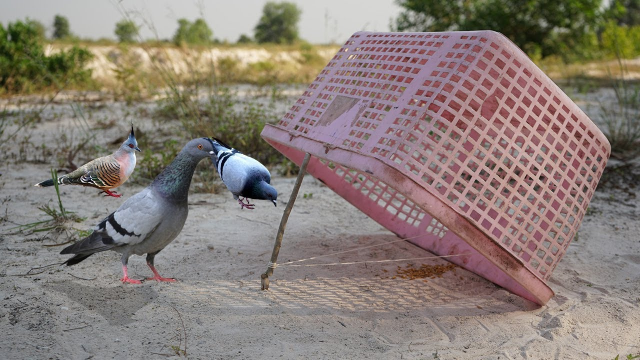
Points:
(149, 220)
(244, 176)
(105, 172)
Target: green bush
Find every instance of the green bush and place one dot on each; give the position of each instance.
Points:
(223, 114)
(620, 41)
(622, 117)
(155, 157)
(228, 70)
(25, 68)
(310, 55)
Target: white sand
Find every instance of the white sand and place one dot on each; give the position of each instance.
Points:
(348, 311)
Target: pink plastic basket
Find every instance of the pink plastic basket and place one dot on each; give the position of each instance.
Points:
(457, 141)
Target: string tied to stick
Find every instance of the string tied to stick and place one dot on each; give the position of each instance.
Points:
(375, 261)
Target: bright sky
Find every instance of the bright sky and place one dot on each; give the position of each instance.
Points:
(322, 21)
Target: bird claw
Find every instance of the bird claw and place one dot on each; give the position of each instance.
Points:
(160, 278)
(111, 193)
(247, 205)
(129, 280)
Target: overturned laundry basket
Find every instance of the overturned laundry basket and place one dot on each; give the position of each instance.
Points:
(457, 141)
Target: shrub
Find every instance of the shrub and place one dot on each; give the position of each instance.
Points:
(615, 40)
(225, 115)
(622, 118)
(24, 67)
(155, 157)
(310, 55)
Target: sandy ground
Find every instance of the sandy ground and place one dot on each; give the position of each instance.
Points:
(216, 310)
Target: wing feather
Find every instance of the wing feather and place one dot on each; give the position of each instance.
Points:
(134, 221)
(101, 172)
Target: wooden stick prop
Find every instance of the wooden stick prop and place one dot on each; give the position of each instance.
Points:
(283, 224)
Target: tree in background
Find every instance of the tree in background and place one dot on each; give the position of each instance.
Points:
(61, 28)
(547, 27)
(197, 33)
(244, 39)
(182, 33)
(278, 24)
(625, 12)
(200, 32)
(40, 32)
(126, 31)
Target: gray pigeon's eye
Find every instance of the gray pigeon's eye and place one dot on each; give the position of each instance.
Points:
(131, 146)
(199, 146)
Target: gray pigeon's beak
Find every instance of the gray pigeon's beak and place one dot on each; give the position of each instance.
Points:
(137, 149)
(274, 203)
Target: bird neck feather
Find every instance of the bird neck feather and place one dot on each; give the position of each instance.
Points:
(174, 181)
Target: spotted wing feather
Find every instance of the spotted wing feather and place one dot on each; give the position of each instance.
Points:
(102, 172)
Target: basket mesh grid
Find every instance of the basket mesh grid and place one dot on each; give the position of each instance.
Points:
(380, 193)
(468, 117)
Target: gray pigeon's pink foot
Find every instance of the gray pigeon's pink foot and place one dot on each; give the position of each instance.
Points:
(157, 277)
(160, 278)
(126, 279)
(109, 193)
(247, 205)
(129, 280)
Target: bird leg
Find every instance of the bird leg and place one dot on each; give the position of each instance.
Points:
(241, 201)
(156, 275)
(109, 193)
(126, 278)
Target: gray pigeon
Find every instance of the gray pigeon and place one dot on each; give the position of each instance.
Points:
(149, 220)
(244, 176)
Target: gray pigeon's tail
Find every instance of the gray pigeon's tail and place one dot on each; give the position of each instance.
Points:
(85, 248)
(76, 259)
(45, 183)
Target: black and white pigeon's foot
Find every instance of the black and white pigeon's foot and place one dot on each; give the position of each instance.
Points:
(241, 201)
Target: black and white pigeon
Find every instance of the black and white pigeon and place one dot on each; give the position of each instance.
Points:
(244, 176)
(149, 220)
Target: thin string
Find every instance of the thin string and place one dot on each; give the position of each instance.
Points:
(376, 261)
(361, 248)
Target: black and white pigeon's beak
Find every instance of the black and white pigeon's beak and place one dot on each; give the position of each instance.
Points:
(274, 203)
(213, 157)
